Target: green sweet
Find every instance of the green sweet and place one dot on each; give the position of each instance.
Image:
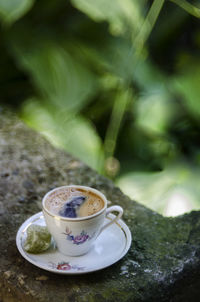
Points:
(38, 239)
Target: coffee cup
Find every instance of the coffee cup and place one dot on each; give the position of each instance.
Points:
(75, 216)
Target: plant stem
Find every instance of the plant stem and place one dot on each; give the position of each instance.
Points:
(119, 109)
(188, 7)
(147, 26)
(122, 99)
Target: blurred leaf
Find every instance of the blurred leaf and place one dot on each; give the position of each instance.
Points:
(187, 84)
(121, 15)
(149, 77)
(12, 10)
(61, 78)
(154, 112)
(116, 57)
(73, 133)
(177, 184)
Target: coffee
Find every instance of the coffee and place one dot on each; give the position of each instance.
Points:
(74, 203)
(75, 236)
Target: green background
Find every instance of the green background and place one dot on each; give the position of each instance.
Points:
(116, 83)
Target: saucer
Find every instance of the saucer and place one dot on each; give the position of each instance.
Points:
(109, 247)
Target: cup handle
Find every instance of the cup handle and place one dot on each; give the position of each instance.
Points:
(109, 210)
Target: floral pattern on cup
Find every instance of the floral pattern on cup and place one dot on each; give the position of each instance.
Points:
(78, 239)
(65, 266)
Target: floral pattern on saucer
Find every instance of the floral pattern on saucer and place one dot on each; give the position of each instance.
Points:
(78, 239)
(114, 242)
(65, 266)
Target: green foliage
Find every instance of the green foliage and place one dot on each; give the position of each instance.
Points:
(174, 190)
(11, 10)
(65, 130)
(187, 84)
(60, 77)
(191, 9)
(112, 82)
(122, 16)
(154, 112)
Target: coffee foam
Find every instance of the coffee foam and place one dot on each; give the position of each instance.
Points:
(90, 207)
(57, 199)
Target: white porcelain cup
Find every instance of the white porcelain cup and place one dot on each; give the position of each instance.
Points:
(75, 236)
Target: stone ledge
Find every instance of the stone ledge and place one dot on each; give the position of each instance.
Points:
(162, 264)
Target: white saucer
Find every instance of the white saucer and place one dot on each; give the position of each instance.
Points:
(111, 245)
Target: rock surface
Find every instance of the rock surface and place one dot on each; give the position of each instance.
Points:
(163, 262)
